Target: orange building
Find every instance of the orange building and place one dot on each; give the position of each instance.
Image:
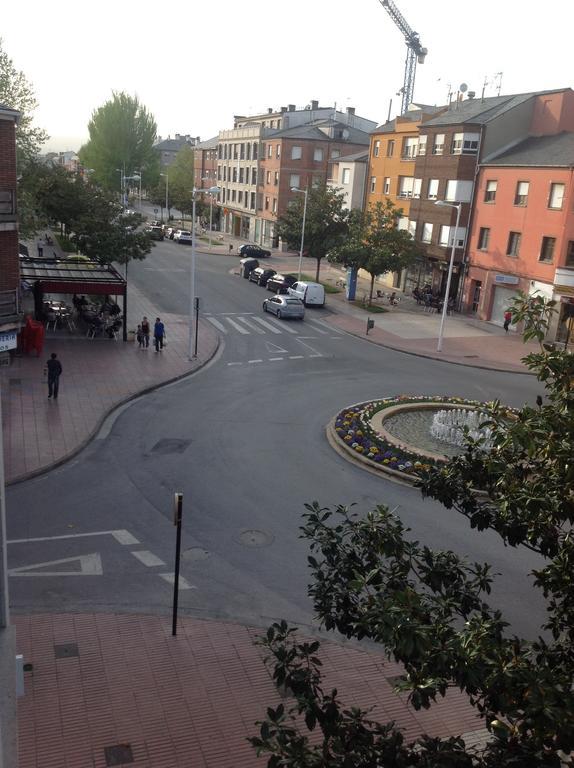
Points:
(522, 236)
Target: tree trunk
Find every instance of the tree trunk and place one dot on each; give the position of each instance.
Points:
(317, 272)
(372, 286)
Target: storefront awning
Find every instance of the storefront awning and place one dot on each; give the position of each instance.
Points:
(72, 276)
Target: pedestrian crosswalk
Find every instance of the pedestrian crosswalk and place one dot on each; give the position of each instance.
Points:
(248, 323)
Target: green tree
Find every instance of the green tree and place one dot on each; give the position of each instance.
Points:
(110, 239)
(429, 608)
(17, 93)
(375, 244)
(122, 137)
(325, 223)
(181, 180)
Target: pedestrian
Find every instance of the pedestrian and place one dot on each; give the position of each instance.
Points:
(40, 251)
(507, 319)
(158, 334)
(54, 371)
(145, 330)
(140, 337)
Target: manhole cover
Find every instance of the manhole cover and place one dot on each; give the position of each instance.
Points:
(195, 554)
(66, 650)
(170, 445)
(119, 754)
(254, 538)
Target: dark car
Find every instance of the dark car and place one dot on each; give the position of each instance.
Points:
(279, 283)
(254, 250)
(155, 233)
(261, 275)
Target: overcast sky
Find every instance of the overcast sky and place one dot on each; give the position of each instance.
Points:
(195, 65)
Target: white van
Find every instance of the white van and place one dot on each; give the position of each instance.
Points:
(311, 294)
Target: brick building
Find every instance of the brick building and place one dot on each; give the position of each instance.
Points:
(205, 163)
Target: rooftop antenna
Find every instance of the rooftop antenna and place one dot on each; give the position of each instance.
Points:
(498, 79)
(484, 87)
(390, 107)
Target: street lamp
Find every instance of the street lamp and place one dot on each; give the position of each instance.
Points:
(193, 329)
(303, 192)
(136, 177)
(458, 207)
(122, 183)
(166, 176)
(211, 194)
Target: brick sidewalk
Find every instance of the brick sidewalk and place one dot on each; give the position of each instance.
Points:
(100, 681)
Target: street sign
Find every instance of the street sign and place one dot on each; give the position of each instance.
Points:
(8, 341)
(155, 210)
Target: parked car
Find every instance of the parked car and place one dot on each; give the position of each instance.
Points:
(309, 293)
(280, 283)
(155, 233)
(260, 275)
(183, 236)
(285, 306)
(254, 250)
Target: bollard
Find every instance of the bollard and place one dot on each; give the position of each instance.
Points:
(370, 325)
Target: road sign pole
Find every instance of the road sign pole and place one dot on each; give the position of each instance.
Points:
(196, 312)
(177, 517)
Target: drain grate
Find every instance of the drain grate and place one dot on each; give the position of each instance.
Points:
(255, 539)
(470, 355)
(119, 754)
(66, 651)
(170, 445)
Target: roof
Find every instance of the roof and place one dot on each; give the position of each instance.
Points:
(79, 275)
(481, 111)
(312, 131)
(413, 115)
(356, 157)
(172, 145)
(5, 110)
(208, 143)
(542, 151)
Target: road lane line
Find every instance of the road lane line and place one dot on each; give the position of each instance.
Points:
(147, 558)
(273, 359)
(283, 326)
(124, 537)
(255, 361)
(183, 583)
(267, 325)
(296, 357)
(311, 349)
(234, 363)
(237, 327)
(318, 329)
(72, 536)
(218, 325)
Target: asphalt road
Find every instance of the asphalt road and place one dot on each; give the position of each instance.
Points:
(244, 441)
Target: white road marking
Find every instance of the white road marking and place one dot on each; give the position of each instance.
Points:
(308, 337)
(183, 583)
(148, 558)
(296, 357)
(275, 349)
(267, 325)
(309, 347)
(121, 536)
(273, 359)
(234, 363)
(283, 326)
(249, 323)
(236, 326)
(217, 324)
(317, 327)
(255, 361)
(225, 314)
(90, 565)
(323, 324)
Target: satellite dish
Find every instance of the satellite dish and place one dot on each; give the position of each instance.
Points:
(463, 87)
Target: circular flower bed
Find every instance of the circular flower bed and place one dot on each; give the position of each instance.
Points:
(352, 426)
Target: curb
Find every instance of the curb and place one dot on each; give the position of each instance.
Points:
(88, 439)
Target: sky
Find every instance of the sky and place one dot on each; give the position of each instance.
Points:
(195, 65)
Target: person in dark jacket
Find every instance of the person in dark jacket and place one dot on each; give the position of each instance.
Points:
(158, 334)
(54, 370)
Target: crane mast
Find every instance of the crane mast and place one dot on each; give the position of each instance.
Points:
(415, 52)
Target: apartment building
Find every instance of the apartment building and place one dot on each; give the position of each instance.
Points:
(349, 173)
(168, 148)
(10, 316)
(451, 145)
(256, 157)
(205, 163)
(522, 235)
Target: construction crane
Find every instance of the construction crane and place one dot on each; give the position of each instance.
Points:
(415, 52)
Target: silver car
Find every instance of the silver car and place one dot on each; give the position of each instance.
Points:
(285, 306)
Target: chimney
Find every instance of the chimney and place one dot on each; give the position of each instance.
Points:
(197, 139)
(178, 136)
(471, 94)
(291, 107)
(269, 110)
(314, 105)
(283, 109)
(350, 110)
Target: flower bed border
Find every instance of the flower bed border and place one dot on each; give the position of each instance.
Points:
(351, 434)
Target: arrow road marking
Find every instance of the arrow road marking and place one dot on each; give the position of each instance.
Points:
(275, 349)
(90, 565)
(183, 583)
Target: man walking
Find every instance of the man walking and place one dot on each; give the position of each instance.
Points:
(158, 334)
(54, 370)
(507, 320)
(145, 331)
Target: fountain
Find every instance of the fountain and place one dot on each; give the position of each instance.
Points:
(455, 425)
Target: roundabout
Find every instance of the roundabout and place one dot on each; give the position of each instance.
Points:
(404, 436)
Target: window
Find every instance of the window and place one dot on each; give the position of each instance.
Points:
(521, 196)
(278, 150)
(432, 189)
(390, 147)
(387, 185)
(276, 178)
(235, 151)
(268, 177)
(252, 206)
(269, 150)
(438, 145)
(410, 148)
(412, 228)
(570, 254)
(235, 174)
(513, 247)
(318, 155)
(458, 191)
(220, 151)
(223, 197)
(346, 178)
(232, 195)
(317, 181)
(241, 175)
(240, 196)
(248, 147)
(547, 249)
(373, 183)
(422, 145)
(490, 191)
(443, 236)
(426, 234)
(294, 180)
(254, 153)
(242, 152)
(266, 203)
(465, 143)
(296, 153)
(483, 238)
(406, 186)
(376, 148)
(417, 186)
(218, 173)
(556, 198)
(7, 202)
(274, 205)
(447, 236)
(335, 153)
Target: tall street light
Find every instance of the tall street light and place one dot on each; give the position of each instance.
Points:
(166, 176)
(211, 194)
(193, 329)
(303, 192)
(458, 207)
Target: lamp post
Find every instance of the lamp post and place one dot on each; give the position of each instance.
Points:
(303, 192)
(192, 308)
(136, 177)
(458, 207)
(166, 176)
(211, 194)
(122, 182)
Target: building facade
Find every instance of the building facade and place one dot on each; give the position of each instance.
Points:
(10, 315)
(205, 163)
(348, 173)
(168, 148)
